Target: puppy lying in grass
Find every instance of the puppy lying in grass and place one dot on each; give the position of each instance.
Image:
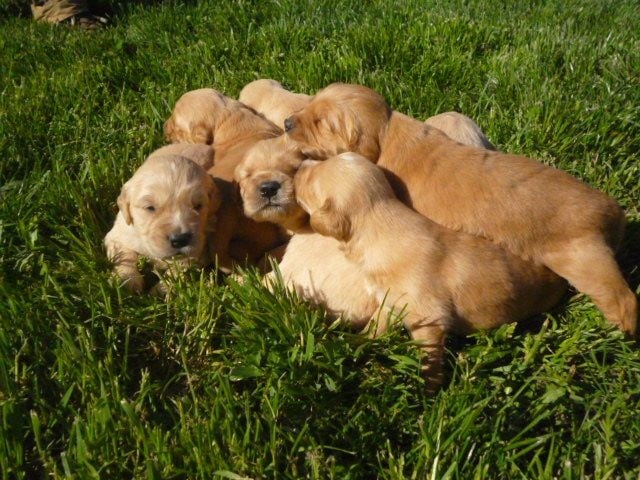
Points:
(165, 213)
(533, 210)
(313, 265)
(206, 116)
(440, 279)
(270, 99)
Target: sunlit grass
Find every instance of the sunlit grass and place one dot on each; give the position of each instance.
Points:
(232, 381)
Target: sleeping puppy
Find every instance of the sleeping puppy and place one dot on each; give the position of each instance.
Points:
(272, 100)
(533, 210)
(312, 265)
(165, 213)
(265, 176)
(266, 183)
(230, 127)
(206, 116)
(440, 279)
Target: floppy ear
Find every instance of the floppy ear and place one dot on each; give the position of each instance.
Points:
(215, 196)
(169, 129)
(201, 133)
(330, 223)
(342, 124)
(124, 205)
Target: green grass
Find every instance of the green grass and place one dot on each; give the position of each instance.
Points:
(230, 381)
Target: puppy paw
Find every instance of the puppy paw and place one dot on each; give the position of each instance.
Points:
(133, 283)
(163, 290)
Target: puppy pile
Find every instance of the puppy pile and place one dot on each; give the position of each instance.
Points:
(369, 211)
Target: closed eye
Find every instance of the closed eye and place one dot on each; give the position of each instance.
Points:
(150, 208)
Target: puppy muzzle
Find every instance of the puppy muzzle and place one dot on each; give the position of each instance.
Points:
(269, 189)
(180, 240)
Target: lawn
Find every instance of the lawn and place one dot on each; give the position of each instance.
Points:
(231, 381)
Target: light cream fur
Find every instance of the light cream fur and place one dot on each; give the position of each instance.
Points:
(272, 100)
(533, 210)
(203, 155)
(441, 280)
(231, 128)
(315, 267)
(460, 128)
(168, 196)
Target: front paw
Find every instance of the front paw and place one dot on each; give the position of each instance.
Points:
(162, 290)
(133, 282)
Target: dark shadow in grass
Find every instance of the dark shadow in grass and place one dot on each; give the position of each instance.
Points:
(629, 254)
(113, 9)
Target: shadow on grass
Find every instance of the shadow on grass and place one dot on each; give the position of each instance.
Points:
(629, 255)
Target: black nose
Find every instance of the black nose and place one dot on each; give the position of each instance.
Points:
(288, 124)
(269, 189)
(179, 240)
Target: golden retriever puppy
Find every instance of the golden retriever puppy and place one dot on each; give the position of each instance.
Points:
(265, 176)
(272, 100)
(440, 279)
(536, 211)
(311, 264)
(269, 98)
(231, 128)
(460, 128)
(165, 212)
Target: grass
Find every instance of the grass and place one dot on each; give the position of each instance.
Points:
(230, 381)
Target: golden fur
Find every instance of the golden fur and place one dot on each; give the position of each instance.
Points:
(536, 211)
(277, 160)
(272, 100)
(440, 279)
(203, 155)
(231, 128)
(328, 279)
(271, 163)
(165, 210)
(313, 265)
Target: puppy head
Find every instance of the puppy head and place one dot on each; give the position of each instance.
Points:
(254, 92)
(203, 155)
(265, 177)
(196, 116)
(168, 202)
(340, 118)
(339, 191)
